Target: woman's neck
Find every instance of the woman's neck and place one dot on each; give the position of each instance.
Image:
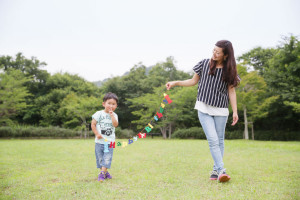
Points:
(219, 64)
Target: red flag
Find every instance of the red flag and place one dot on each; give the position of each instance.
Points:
(112, 145)
(142, 135)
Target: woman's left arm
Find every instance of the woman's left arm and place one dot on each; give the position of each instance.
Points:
(232, 98)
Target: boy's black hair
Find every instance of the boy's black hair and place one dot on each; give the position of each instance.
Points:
(110, 95)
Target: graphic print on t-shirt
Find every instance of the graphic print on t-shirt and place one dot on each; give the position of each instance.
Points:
(107, 132)
(104, 126)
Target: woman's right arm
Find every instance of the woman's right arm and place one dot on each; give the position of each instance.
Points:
(186, 83)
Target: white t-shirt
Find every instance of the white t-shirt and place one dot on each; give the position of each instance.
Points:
(211, 110)
(104, 126)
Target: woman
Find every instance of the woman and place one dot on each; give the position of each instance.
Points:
(217, 78)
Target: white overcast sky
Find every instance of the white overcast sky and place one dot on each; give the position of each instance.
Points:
(99, 39)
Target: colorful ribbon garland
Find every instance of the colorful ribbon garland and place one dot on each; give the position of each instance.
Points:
(148, 128)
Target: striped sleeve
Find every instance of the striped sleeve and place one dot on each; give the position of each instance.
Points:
(199, 68)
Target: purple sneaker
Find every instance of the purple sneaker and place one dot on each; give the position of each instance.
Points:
(108, 176)
(101, 176)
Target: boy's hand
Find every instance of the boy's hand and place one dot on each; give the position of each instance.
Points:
(99, 136)
(110, 112)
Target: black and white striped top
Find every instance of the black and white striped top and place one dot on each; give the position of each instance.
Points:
(212, 90)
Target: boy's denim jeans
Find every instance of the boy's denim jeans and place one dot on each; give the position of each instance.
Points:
(214, 129)
(103, 159)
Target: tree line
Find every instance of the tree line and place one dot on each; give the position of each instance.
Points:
(268, 95)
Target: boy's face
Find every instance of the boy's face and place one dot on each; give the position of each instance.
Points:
(110, 105)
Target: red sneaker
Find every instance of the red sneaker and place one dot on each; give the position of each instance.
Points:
(223, 177)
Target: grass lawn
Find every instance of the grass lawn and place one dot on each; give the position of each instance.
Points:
(148, 169)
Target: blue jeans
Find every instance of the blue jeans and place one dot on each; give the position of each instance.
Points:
(103, 159)
(214, 129)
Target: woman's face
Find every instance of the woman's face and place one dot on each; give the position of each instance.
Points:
(218, 54)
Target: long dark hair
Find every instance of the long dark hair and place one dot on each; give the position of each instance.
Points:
(229, 74)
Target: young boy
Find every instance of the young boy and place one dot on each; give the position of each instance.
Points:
(103, 126)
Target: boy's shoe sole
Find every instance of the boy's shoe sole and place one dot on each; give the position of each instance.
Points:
(213, 179)
(101, 180)
(224, 178)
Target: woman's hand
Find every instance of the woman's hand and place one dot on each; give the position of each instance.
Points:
(169, 85)
(186, 83)
(235, 118)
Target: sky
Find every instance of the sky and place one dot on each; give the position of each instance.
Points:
(98, 39)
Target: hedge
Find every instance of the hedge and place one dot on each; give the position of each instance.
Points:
(190, 133)
(276, 135)
(125, 133)
(30, 131)
(52, 132)
(198, 133)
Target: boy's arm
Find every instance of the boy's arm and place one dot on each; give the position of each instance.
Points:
(93, 125)
(113, 119)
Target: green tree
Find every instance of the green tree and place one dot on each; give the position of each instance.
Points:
(48, 106)
(283, 74)
(59, 86)
(181, 112)
(31, 68)
(283, 79)
(139, 82)
(178, 114)
(251, 95)
(146, 107)
(73, 83)
(76, 111)
(163, 72)
(128, 86)
(280, 68)
(13, 93)
(257, 58)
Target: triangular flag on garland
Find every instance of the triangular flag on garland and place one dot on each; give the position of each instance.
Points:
(142, 135)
